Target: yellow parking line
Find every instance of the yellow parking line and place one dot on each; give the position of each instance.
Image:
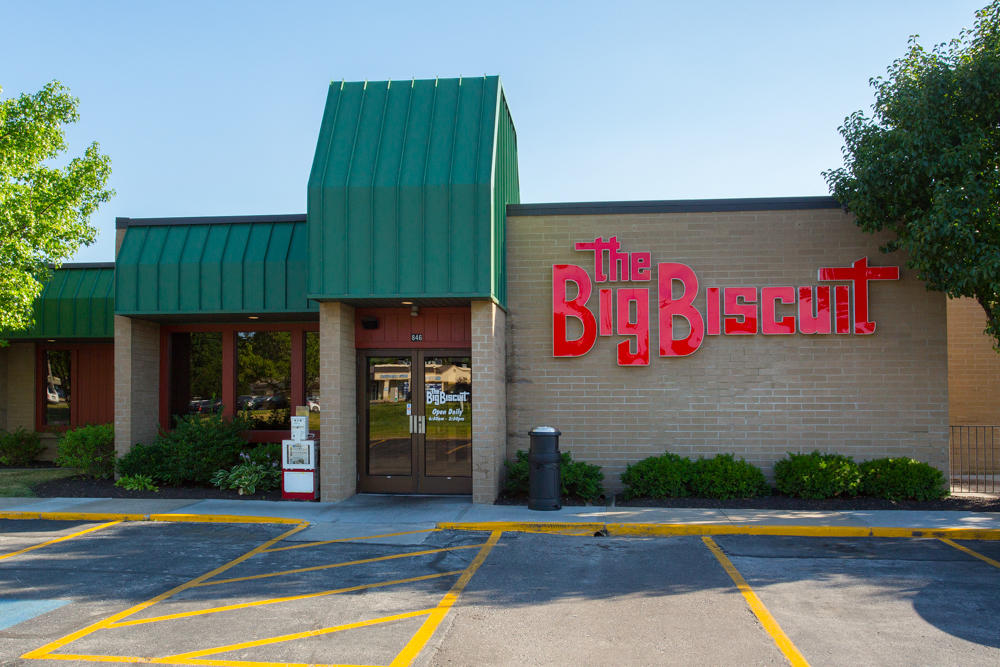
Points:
(181, 658)
(290, 598)
(785, 644)
(59, 539)
(109, 621)
(190, 661)
(423, 635)
(96, 658)
(349, 539)
(314, 568)
(975, 554)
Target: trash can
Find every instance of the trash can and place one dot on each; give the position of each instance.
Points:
(544, 480)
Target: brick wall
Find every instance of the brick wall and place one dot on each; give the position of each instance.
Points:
(137, 382)
(973, 366)
(337, 388)
(489, 419)
(757, 396)
(20, 380)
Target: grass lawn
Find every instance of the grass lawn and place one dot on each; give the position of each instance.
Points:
(18, 483)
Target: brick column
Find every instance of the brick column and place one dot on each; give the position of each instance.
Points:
(337, 397)
(137, 382)
(489, 414)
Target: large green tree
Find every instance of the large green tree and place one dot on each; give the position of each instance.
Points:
(925, 166)
(44, 208)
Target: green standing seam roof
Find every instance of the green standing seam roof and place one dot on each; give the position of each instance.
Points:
(77, 302)
(408, 190)
(252, 265)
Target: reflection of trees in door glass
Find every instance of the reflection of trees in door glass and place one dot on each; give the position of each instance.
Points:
(57, 387)
(264, 378)
(206, 371)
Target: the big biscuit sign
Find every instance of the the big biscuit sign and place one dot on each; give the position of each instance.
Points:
(817, 309)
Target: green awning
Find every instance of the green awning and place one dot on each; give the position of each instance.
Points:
(408, 191)
(249, 265)
(78, 302)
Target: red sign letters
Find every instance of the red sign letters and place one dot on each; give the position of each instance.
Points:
(733, 311)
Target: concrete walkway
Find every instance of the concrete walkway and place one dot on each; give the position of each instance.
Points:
(375, 514)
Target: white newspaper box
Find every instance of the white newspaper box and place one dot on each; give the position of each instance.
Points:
(299, 468)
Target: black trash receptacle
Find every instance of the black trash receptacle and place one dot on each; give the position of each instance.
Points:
(544, 479)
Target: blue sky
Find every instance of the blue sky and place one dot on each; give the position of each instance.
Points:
(212, 108)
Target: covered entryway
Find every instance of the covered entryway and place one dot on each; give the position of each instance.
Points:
(415, 421)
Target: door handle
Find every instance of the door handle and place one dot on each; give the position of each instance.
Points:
(422, 424)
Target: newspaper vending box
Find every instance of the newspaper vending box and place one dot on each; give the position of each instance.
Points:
(299, 467)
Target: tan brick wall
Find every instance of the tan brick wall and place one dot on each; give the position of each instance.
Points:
(489, 381)
(337, 389)
(137, 382)
(20, 380)
(973, 366)
(757, 396)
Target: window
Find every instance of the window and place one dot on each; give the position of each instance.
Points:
(262, 371)
(75, 385)
(264, 378)
(58, 387)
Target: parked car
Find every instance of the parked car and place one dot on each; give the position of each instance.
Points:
(313, 405)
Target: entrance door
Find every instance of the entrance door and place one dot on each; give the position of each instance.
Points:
(415, 422)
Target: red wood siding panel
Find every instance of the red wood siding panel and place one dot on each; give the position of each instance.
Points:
(94, 385)
(441, 328)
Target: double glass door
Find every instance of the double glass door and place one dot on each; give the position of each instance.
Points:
(415, 422)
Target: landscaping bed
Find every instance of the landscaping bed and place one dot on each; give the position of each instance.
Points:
(79, 486)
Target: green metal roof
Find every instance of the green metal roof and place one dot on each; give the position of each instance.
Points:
(77, 302)
(210, 266)
(408, 190)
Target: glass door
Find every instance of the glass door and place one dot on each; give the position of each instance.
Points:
(415, 422)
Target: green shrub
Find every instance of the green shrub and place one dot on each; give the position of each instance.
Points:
(266, 453)
(516, 481)
(248, 478)
(19, 448)
(151, 460)
(665, 476)
(902, 479)
(91, 449)
(191, 453)
(579, 479)
(817, 475)
(136, 483)
(724, 477)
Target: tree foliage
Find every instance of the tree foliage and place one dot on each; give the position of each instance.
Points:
(925, 167)
(44, 209)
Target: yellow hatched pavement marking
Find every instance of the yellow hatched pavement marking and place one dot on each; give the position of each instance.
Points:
(974, 554)
(46, 651)
(314, 568)
(290, 598)
(182, 658)
(59, 539)
(423, 635)
(306, 545)
(784, 644)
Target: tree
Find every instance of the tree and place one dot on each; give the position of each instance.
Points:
(926, 166)
(44, 209)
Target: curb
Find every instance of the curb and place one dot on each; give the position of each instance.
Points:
(678, 529)
(176, 518)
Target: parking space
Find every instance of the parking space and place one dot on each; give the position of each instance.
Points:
(222, 594)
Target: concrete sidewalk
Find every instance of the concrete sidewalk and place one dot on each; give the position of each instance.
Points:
(375, 514)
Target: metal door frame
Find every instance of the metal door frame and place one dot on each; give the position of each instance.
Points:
(416, 481)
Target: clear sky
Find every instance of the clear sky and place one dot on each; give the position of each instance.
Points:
(212, 108)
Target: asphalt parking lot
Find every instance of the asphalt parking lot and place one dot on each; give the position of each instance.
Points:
(218, 594)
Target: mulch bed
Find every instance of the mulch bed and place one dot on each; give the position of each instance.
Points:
(83, 487)
(963, 503)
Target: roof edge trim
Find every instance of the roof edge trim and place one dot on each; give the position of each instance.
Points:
(676, 206)
(123, 223)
